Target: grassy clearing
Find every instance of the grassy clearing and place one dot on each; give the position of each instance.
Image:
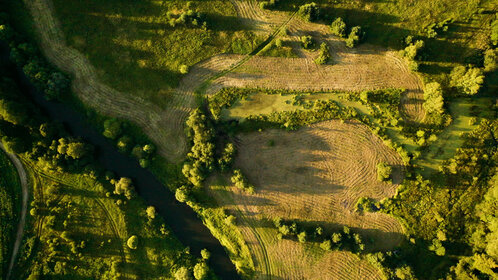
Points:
(318, 180)
(141, 53)
(10, 207)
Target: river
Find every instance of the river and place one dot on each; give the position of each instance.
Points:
(183, 221)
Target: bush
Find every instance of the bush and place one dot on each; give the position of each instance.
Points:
(494, 32)
(183, 69)
(490, 60)
(338, 27)
(112, 128)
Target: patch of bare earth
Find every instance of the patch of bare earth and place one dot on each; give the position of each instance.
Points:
(315, 174)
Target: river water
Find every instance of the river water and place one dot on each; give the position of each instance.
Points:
(183, 221)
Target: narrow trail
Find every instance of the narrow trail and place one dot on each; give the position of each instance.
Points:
(24, 206)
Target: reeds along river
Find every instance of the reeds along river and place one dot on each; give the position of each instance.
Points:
(185, 224)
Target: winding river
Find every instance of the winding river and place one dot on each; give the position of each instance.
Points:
(183, 221)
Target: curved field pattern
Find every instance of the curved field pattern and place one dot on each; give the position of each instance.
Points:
(316, 174)
(163, 126)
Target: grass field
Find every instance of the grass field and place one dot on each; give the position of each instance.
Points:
(323, 170)
(10, 207)
(80, 232)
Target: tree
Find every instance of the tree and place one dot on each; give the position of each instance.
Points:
(354, 37)
(112, 128)
(324, 55)
(124, 187)
(201, 271)
(181, 194)
(151, 212)
(490, 60)
(467, 81)
(494, 32)
(302, 237)
(310, 12)
(132, 242)
(183, 69)
(338, 27)
(433, 95)
(183, 274)
(76, 150)
(57, 84)
(205, 254)
(307, 42)
(383, 171)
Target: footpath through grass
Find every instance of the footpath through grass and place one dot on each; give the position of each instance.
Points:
(10, 207)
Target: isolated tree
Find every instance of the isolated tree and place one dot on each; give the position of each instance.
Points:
(132, 242)
(383, 171)
(324, 54)
(433, 95)
(354, 37)
(302, 237)
(467, 81)
(338, 27)
(151, 212)
(201, 271)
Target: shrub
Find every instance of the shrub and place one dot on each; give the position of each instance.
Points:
(494, 32)
(183, 69)
(151, 212)
(490, 60)
(112, 128)
(201, 271)
(338, 27)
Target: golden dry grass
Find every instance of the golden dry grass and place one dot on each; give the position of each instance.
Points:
(315, 174)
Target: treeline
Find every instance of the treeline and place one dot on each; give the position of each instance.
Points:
(42, 75)
(344, 239)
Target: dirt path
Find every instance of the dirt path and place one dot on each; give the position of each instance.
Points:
(24, 206)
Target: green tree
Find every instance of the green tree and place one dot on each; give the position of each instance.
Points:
(467, 81)
(56, 86)
(338, 27)
(201, 271)
(124, 187)
(324, 54)
(112, 128)
(205, 254)
(490, 60)
(433, 95)
(76, 150)
(183, 274)
(494, 32)
(307, 42)
(383, 171)
(132, 242)
(310, 12)
(182, 194)
(354, 37)
(151, 212)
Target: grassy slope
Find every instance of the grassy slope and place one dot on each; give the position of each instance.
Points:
(135, 49)
(10, 203)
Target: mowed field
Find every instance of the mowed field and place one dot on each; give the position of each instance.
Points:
(315, 174)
